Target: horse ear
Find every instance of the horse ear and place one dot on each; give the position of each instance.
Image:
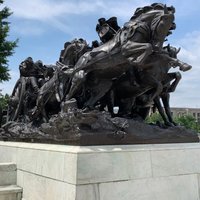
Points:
(178, 50)
(165, 10)
(168, 47)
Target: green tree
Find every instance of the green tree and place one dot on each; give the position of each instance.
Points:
(4, 101)
(189, 122)
(154, 118)
(6, 46)
(3, 105)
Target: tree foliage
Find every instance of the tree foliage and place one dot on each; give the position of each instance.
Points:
(154, 118)
(187, 120)
(6, 46)
(4, 99)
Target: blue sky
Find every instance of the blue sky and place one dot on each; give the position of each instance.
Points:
(43, 26)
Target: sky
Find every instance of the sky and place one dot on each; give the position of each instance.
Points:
(43, 26)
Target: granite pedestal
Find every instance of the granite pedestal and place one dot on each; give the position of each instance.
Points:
(120, 172)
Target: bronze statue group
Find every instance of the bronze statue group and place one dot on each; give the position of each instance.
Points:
(128, 69)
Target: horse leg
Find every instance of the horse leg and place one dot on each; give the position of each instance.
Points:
(126, 107)
(161, 111)
(183, 66)
(158, 90)
(77, 82)
(107, 100)
(102, 88)
(177, 77)
(45, 118)
(165, 99)
(40, 110)
(110, 102)
(153, 83)
(25, 108)
(176, 62)
(142, 112)
(136, 53)
(39, 107)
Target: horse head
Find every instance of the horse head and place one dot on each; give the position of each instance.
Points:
(160, 20)
(172, 51)
(161, 26)
(73, 51)
(26, 66)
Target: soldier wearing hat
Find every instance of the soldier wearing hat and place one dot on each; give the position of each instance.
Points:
(106, 29)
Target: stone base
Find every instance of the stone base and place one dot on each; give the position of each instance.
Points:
(120, 172)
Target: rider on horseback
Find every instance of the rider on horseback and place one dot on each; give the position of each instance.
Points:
(34, 72)
(106, 29)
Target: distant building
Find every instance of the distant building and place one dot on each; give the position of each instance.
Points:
(178, 112)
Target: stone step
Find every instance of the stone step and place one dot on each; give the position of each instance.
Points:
(10, 192)
(8, 174)
(8, 167)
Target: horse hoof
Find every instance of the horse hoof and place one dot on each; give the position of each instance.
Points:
(169, 124)
(185, 67)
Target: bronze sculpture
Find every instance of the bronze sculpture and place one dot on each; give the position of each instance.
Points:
(128, 69)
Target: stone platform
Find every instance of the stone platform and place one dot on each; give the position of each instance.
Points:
(120, 172)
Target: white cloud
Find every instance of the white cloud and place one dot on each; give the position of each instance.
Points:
(57, 13)
(185, 8)
(48, 9)
(122, 9)
(27, 29)
(187, 94)
(52, 13)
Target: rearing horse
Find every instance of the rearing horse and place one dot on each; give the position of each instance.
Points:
(130, 47)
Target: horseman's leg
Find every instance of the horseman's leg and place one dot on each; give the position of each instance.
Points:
(135, 52)
(107, 100)
(165, 99)
(40, 110)
(34, 84)
(25, 107)
(38, 107)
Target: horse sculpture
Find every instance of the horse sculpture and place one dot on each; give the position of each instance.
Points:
(25, 91)
(129, 70)
(152, 75)
(130, 47)
(168, 81)
(52, 92)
